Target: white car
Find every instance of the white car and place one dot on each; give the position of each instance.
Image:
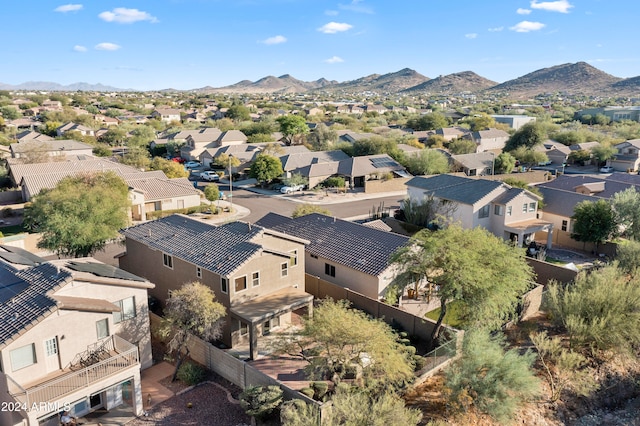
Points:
(289, 189)
(192, 164)
(606, 169)
(210, 176)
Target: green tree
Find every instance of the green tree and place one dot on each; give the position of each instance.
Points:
(306, 208)
(261, 402)
(593, 222)
(529, 135)
(427, 162)
(238, 112)
(137, 156)
(504, 163)
(580, 156)
(322, 138)
(602, 153)
(114, 136)
(462, 146)
(79, 215)
(480, 122)
(265, 168)
(10, 113)
(334, 340)
(226, 161)
(528, 156)
(626, 205)
(490, 378)
(212, 192)
(485, 275)
(355, 407)
(600, 309)
(191, 310)
(628, 257)
(292, 127)
(170, 168)
(430, 121)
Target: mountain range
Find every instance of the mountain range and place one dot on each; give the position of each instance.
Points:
(574, 78)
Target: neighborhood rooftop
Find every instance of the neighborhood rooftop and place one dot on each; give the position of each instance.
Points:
(455, 188)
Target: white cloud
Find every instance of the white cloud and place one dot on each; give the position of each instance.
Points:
(68, 8)
(274, 40)
(334, 60)
(79, 48)
(561, 6)
(107, 46)
(527, 26)
(496, 29)
(331, 12)
(471, 35)
(335, 27)
(356, 6)
(522, 11)
(122, 15)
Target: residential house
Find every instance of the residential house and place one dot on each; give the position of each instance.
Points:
(513, 121)
(489, 140)
(345, 253)
(476, 164)
(614, 113)
(209, 137)
(50, 105)
(628, 156)
(256, 273)
(75, 334)
(57, 149)
(74, 127)
(31, 135)
(556, 152)
(353, 137)
(300, 161)
(166, 115)
(451, 133)
(358, 170)
(603, 188)
(507, 212)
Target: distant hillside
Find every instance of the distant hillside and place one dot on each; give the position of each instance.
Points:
(47, 86)
(271, 84)
(386, 83)
(578, 78)
(466, 81)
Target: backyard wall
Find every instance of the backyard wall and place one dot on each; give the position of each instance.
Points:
(546, 271)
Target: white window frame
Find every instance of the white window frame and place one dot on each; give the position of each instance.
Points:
(284, 269)
(484, 211)
(198, 272)
(498, 210)
(235, 284)
(224, 285)
(293, 260)
(525, 207)
(105, 321)
(167, 260)
(127, 310)
(23, 357)
(532, 207)
(255, 279)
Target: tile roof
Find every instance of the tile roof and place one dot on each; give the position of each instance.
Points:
(297, 160)
(92, 165)
(160, 189)
(221, 249)
(368, 164)
(49, 145)
(561, 202)
(356, 246)
(455, 188)
(25, 297)
(571, 182)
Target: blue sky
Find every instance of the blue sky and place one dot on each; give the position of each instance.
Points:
(186, 44)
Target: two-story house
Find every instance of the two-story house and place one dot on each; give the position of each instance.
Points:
(166, 115)
(628, 156)
(507, 212)
(196, 142)
(346, 253)
(74, 335)
(489, 140)
(256, 273)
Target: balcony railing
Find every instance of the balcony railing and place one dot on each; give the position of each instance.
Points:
(125, 357)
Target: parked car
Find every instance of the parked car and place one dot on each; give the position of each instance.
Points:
(606, 169)
(210, 176)
(178, 160)
(192, 164)
(291, 189)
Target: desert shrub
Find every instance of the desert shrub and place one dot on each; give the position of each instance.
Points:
(191, 373)
(334, 182)
(261, 402)
(308, 392)
(319, 390)
(298, 413)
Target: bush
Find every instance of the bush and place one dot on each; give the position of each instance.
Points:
(307, 392)
(298, 413)
(7, 212)
(334, 182)
(261, 402)
(191, 373)
(319, 390)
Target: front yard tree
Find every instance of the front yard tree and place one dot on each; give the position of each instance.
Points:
(265, 168)
(339, 340)
(170, 168)
(602, 153)
(79, 215)
(292, 128)
(594, 222)
(626, 205)
(504, 163)
(484, 274)
(212, 192)
(191, 310)
(228, 162)
(529, 135)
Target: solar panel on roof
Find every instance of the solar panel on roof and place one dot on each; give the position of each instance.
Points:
(103, 270)
(383, 162)
(26, 255)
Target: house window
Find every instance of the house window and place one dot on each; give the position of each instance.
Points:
(157, 206)
(525, 206)
(23, 357)
(167, 260)
(293, 260)
(198, 272)
(284, 270)
(51, 347)
(498, 210)
(102, 328)
(244, 328)
(224, 285)
(330, 270)
(483, 212)
(532, 207)
(127, 309)
(241, 283)
(565, 225)
(509, 210)
(255, 279)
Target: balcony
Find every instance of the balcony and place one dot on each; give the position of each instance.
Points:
(112, 356)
